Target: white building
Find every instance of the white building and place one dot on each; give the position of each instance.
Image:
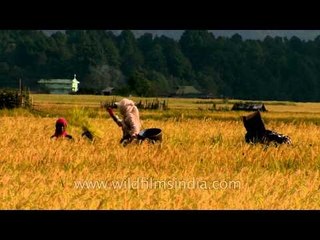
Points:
(74, 84)
(60, 86)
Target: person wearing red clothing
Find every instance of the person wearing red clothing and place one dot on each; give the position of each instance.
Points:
(60, 132)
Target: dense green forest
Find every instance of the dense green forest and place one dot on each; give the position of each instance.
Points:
(272, 69)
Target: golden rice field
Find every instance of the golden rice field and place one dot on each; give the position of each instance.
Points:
(202, 163)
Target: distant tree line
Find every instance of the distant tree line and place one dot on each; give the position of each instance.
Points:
(272, 69)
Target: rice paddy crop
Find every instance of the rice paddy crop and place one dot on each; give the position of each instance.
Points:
(203, 162)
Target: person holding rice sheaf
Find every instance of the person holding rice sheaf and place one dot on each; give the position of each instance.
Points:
(130, 124)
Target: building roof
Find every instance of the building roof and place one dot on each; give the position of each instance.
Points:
(108, 89)
(55, 81)
(187, 90)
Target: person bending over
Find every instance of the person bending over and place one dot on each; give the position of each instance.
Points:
(130, 123)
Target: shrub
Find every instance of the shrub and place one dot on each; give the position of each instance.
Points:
(13, 98)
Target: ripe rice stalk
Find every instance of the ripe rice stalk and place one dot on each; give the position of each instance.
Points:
(79, 118)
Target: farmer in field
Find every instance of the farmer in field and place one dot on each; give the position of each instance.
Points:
(131, 120)
(60, 132)
(257, 133)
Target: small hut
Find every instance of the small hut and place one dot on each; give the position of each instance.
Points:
(247, 106)
(107, 91)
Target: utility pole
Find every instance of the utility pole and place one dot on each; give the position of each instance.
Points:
(20, 86)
